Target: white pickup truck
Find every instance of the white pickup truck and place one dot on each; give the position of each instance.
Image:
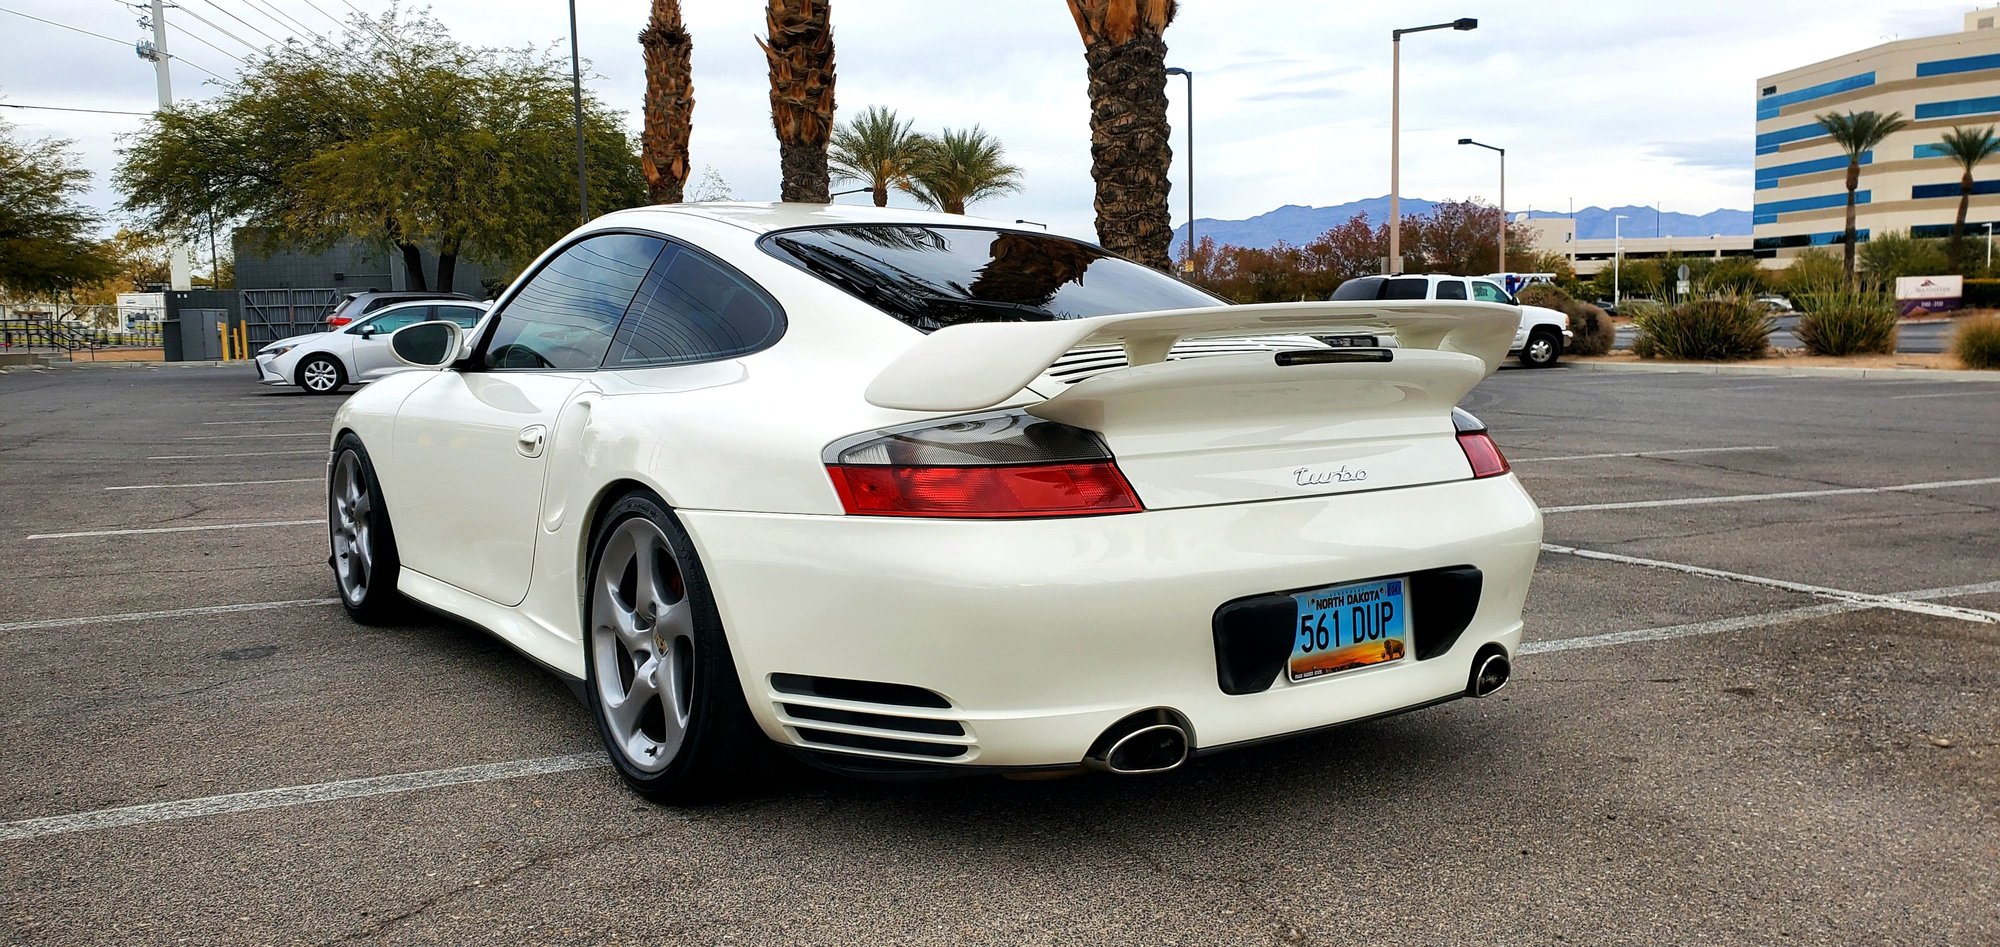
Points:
(1538, 343)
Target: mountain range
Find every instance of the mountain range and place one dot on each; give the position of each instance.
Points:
(1296, 224)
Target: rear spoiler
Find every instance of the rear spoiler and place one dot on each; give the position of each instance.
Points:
(978, 365)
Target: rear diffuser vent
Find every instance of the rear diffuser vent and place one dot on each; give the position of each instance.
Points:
(867, 692)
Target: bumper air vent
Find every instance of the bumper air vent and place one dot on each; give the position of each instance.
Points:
(875, 718)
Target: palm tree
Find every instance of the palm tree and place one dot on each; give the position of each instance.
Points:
(959, 167)
(876, 148)
(1967, 146)
(1125, 56)
(669, 102)
(1855, 133)
(800, 54)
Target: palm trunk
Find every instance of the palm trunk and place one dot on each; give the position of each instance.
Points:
(413, 266)
(1847, 252)
(1125, 59)
(669, 102)
(800, 55)
(881, 192)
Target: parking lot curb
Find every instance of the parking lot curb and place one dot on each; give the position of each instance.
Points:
(63, 366)
(1799, 371)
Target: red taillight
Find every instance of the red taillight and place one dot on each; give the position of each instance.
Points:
(1483, 454)
(337, 321)
(1018, 491)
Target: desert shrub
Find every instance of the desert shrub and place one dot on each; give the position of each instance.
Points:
(1982, 294)
(1838, 322)
(1592, 330)
(1814, 270)
(1977, 342)
(1887, 256)
(1543, 294)
(1644, 347)
(1724, 328)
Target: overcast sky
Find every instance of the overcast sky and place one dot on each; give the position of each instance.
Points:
(1601, 102)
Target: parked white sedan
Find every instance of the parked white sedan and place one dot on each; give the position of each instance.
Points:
(907, 492)
(357, 352)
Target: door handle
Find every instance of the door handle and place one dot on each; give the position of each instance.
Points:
(529, 442)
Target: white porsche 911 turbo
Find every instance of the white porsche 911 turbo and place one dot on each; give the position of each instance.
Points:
(909, 492)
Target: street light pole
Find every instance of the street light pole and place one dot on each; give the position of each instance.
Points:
(1503, 197)
(576, 95)
(1188, 263)
(1989, 244)
(1396, 133)
(1617, 258)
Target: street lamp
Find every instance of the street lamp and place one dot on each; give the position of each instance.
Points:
(1616, 258)
(1503, 197)
(576, 94)
(1395, 132)
(1989, 244)
(1189, 74)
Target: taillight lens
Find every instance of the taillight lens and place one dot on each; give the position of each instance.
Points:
(338, 321)
(1483, 454)
(1008, 465)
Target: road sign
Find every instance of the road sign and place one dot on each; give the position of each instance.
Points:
(1681, 287)
(1682, 275)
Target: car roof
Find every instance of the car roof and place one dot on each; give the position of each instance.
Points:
(768, 217)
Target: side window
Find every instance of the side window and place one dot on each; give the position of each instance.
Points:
(1360, 287)
(565, 316)
(465, 316)
(1451, 289)
(1488, 293)
(1409, 287)
(397, 318)
(692, 309)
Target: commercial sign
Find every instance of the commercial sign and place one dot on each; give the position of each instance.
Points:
(1916, 294)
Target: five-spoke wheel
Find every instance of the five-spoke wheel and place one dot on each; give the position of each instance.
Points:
(363, 556)
(321, 375)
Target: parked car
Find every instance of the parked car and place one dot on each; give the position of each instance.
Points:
(1538, 341)
(355, 305)
(1776, 304)
(815, 476)
(323, 362)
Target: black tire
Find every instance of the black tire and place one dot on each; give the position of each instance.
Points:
(719, 746)
(362, 545)
(315, 370)
(1544, 347)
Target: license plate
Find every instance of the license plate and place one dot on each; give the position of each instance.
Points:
(1344, 627)
(1350, 341)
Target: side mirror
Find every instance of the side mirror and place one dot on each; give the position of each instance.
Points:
(427, 344)
(366, 332)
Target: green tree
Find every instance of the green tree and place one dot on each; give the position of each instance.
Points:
(1895, 254)
(1968, 147)
(1856, 132)
(402, 136)
(876, 149)
(46, 241)
(959, 167)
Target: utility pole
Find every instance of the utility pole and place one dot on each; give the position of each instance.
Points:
(177, 251)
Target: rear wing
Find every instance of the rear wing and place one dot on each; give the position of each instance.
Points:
(978, 365)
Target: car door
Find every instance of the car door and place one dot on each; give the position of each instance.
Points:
(370, 358)
(471, 443)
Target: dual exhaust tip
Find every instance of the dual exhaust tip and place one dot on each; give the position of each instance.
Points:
(1156, 741)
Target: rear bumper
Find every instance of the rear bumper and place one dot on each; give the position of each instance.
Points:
(1038, 635)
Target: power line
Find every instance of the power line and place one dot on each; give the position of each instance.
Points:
(322, 12)
(295, 24)
(190, 34)
(219, 8)
(114, 39)
(63, 108)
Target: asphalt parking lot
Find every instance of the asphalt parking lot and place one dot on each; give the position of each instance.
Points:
(1757, 706)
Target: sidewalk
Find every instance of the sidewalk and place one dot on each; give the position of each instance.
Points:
(1789, 371)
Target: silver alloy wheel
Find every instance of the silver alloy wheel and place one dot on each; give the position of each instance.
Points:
(642, 644)
(353, 542)
(320, 375)
(1541, 351)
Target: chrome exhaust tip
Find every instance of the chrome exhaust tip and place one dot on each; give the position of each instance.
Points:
(1489, 673)
(1140, 745)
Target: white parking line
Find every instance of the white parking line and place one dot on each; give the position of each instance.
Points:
(261, 421)
(1754, 497)
(169, 613)
(254, 453)
(1647, 453)
(212, 483)
(240, 437)
(172, 529)
(1949, 394)
(295, 795)
(1840, 595)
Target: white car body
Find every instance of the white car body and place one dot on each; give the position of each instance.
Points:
(360, 348)
(1553, 324)
(1037, 635)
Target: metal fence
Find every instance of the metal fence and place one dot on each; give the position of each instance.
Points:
(273, 314)
(66, 328)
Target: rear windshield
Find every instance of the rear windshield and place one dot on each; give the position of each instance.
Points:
(932, 277)
(1376, 287)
